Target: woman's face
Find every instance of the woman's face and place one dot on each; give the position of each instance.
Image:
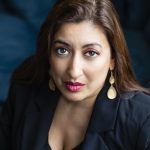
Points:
(80, 59)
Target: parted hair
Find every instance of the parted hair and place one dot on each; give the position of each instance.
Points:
(99, 12)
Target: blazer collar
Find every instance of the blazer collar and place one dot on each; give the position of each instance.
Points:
(40, 113)
(38, 118)
(105, 112)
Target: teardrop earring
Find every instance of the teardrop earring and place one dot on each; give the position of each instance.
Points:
(51, 84)
(111, 94)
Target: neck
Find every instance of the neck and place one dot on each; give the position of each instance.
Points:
(72, 119)
(76, 113)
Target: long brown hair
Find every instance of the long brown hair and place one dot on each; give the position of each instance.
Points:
(100, 12)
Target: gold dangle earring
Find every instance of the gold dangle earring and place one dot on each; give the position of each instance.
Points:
(51, 84)
(111, 94)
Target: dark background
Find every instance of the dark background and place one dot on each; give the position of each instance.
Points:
(20, 21)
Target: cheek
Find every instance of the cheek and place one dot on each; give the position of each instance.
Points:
(57, 68)
(99, 73)
(98, 70)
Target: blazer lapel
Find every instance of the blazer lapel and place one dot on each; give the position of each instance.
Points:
(40, 112)
(102, 120)
(38, 119)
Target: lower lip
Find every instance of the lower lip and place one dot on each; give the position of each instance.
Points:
(74, 88)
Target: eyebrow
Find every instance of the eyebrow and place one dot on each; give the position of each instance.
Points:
(61, 42)
(84, 46)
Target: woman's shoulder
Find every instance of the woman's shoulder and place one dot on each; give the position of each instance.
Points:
(23, 95)
(134, 117)
(18, 96)
(136, 97)
(20, 90)
(135, 105)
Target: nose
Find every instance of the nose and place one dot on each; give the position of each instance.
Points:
(75, 67)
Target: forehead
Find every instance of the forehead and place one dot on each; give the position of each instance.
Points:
(85, 31)
(81, 26)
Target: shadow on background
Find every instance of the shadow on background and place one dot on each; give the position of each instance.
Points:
(20, 21)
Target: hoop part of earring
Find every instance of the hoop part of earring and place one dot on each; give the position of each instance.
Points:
(111, 94)
(51, 85)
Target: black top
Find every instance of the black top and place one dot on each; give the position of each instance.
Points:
(119, 124)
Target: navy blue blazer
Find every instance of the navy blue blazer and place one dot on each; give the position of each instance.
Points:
(119, 124)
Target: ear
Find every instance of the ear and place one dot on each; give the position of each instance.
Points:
(112, 64)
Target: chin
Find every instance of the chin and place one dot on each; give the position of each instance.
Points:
(73, 97)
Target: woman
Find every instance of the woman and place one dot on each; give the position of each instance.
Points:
(78, 91)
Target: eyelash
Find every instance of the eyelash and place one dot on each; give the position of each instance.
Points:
(92, 51)
(86, 53)
(59, 49)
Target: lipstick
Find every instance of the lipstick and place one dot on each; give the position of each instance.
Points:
(74, 86)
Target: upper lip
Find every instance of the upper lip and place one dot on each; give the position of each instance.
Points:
(74, 83)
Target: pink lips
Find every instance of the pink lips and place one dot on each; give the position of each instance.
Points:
(74, 86)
